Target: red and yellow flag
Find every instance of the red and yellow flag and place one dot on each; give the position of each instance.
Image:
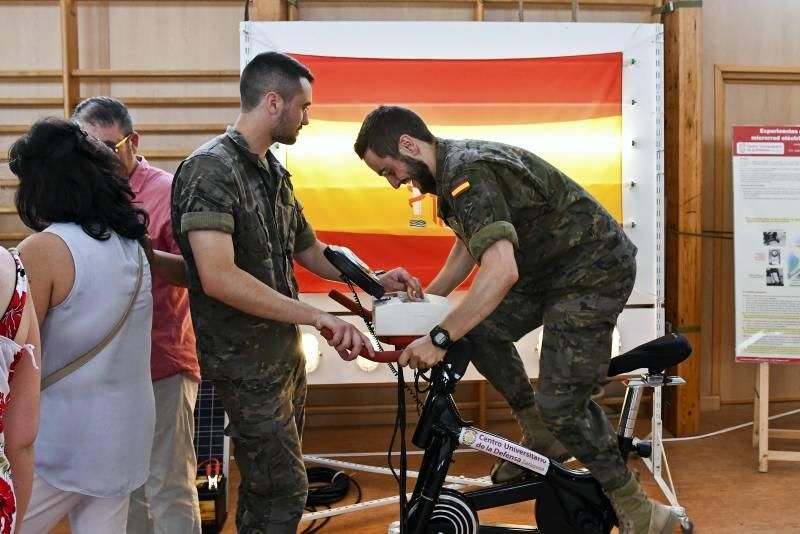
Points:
(565, 109)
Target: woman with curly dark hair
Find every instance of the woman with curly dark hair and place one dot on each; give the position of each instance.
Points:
(90, 282)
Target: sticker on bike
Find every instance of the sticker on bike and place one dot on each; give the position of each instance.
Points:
(504, 449)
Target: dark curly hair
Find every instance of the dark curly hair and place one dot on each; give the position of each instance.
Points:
(383, 127)
(66, 175)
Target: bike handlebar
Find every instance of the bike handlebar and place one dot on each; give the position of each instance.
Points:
(349, 303)
(387, 356)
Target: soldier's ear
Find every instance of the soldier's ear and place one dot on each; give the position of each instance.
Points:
(272, 101)
(407, 145)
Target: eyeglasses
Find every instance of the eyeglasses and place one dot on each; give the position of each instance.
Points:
(116, 146)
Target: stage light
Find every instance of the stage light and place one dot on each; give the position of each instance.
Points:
(311, 351)
(616, 343)
(364, 364)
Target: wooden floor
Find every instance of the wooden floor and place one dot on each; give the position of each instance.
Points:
(715, 478)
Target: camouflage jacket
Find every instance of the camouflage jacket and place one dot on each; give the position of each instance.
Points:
(224, 186)
(489, 191)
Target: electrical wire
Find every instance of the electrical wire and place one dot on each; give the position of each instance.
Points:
(400, 418)
(731, 429)
(325, 487)
(711, 435)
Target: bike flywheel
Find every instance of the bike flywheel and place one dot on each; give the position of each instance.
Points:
(452, 514)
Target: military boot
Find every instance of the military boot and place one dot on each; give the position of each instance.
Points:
(535, 436)
(639, 515)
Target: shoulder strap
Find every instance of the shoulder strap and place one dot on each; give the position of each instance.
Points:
(87, 357)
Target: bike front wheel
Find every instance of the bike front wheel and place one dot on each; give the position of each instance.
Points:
(452, 514)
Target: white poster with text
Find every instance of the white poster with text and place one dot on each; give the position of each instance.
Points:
(766, 212)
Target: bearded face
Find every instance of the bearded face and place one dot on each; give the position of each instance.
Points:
(420, 174)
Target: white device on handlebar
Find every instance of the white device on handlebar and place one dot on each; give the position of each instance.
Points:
(393, 314)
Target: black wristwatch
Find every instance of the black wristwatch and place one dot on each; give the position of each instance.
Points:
(441, 338)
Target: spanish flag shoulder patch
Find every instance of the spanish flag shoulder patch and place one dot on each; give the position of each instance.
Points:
(459, 189)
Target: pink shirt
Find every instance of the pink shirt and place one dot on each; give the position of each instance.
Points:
(173, 349)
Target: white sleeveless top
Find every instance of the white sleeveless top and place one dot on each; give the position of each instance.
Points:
(96, 428)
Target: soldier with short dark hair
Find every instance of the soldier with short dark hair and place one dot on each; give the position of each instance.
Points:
(547, 254)
(240, 227)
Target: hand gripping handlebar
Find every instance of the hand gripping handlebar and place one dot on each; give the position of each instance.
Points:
(388, 356)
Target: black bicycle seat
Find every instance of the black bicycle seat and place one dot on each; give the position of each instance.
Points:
(656, 355)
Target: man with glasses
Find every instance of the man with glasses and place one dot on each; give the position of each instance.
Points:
(168, 502)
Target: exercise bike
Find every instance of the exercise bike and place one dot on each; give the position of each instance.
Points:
(567, 500)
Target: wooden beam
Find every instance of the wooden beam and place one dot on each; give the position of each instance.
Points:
(682, 181)
(188, 128)
(140, 101)
(479, 10)
(265, 10)
(180, 101)
(30, 75)
(149, 154)
(145, 74)
(69, 54)
(13, 236)
(166, 154)
(31, 102)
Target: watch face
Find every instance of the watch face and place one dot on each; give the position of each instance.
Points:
(440, 338)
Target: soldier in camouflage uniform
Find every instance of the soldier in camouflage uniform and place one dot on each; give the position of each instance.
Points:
(239, 228)
(547, 254)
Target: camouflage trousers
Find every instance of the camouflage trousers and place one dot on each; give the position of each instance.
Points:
(266, 417)
(576, 347)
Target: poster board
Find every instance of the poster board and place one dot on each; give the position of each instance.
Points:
(620, 132)
(766, 185)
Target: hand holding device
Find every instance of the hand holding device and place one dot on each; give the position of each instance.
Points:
(354, 269)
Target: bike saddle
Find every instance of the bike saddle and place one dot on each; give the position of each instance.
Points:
(655, 355)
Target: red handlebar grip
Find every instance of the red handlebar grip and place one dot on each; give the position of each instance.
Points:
(387, 356)
(348, 303)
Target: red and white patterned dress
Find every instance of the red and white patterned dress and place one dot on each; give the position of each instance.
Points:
(10, 354)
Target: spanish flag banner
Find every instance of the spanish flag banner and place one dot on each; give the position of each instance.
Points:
(565, 109)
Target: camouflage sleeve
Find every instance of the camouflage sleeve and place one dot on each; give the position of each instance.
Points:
(305, 236)
(481, 207)
(205, 195)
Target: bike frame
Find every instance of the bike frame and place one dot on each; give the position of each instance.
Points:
(441, 430)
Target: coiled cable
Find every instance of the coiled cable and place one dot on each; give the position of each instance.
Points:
(325, 487)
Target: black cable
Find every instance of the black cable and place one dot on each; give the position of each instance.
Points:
(421, 374)
(401, 421)
(400, 418)
(313, 526)
(325, 487)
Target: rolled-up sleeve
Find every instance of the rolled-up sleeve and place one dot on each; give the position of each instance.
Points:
(205, 195)
(489, 235)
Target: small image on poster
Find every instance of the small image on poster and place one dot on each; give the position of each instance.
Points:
(766, 180)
